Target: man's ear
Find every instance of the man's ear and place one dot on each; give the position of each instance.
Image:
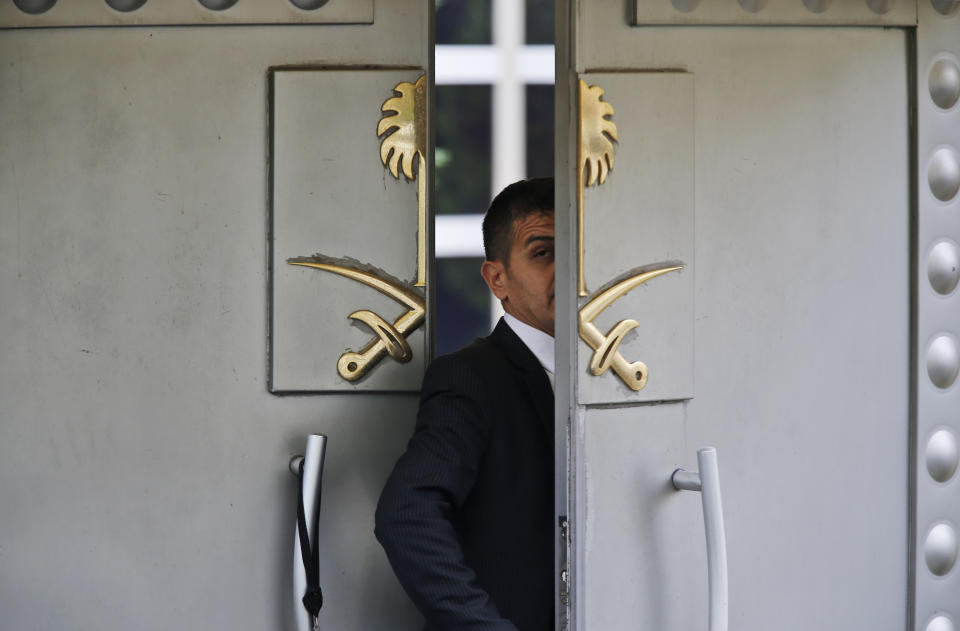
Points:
(494, 272)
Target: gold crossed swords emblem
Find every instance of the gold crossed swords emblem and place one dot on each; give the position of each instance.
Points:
(606, 348)
(403, 127)
(391, 339)
(596, 149)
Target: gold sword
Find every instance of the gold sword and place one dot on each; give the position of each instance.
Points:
(391, 339)
(606, 352)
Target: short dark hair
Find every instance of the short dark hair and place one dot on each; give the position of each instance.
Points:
(517, 201)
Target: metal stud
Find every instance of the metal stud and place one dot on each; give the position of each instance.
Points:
(817, 6)
(940, 549)
(943, 267)
(943, 361)
(685, 6)
(218, 5)
(308, 5)
(939, 623)
(944, 83)
(880, 6)
(126, 6)
(943, 174)
(34, 7)
(753, 6)
(941, 455)
(946, 7)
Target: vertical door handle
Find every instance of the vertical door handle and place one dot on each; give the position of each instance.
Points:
(707, 481)
(310, 469)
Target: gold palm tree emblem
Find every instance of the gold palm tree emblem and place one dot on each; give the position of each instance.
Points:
(595, 151)
(405, 126)
(402, 149)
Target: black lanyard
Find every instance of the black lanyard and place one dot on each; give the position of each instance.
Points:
(313, 596)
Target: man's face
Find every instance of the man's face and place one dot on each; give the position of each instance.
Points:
(524, 284)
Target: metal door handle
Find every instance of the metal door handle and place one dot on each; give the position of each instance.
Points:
(707, 481)
(312, 464)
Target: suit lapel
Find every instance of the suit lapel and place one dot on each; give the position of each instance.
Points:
(534, 376)
(539, 386)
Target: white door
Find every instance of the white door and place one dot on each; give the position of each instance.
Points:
(160, 164)
(776, 211)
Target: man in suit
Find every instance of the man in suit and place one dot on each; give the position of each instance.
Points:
(466, 516)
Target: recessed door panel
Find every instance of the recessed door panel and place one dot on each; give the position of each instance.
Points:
(638, 223)
(325, 134)
(802, 330)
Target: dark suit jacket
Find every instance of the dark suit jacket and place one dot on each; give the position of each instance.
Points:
(466, 517)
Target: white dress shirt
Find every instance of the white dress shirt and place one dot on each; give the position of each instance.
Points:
(540, 344)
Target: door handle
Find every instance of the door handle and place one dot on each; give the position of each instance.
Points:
(707, 481)
(309, 468)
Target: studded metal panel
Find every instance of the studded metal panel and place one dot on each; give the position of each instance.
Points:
(938, 316)
(41, 13)
(770, 12)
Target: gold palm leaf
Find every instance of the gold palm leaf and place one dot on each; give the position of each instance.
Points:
(596, 151)
(404, 130)
(405, 125)
(597, 134)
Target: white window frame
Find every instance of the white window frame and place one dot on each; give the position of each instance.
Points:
(509, 66)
